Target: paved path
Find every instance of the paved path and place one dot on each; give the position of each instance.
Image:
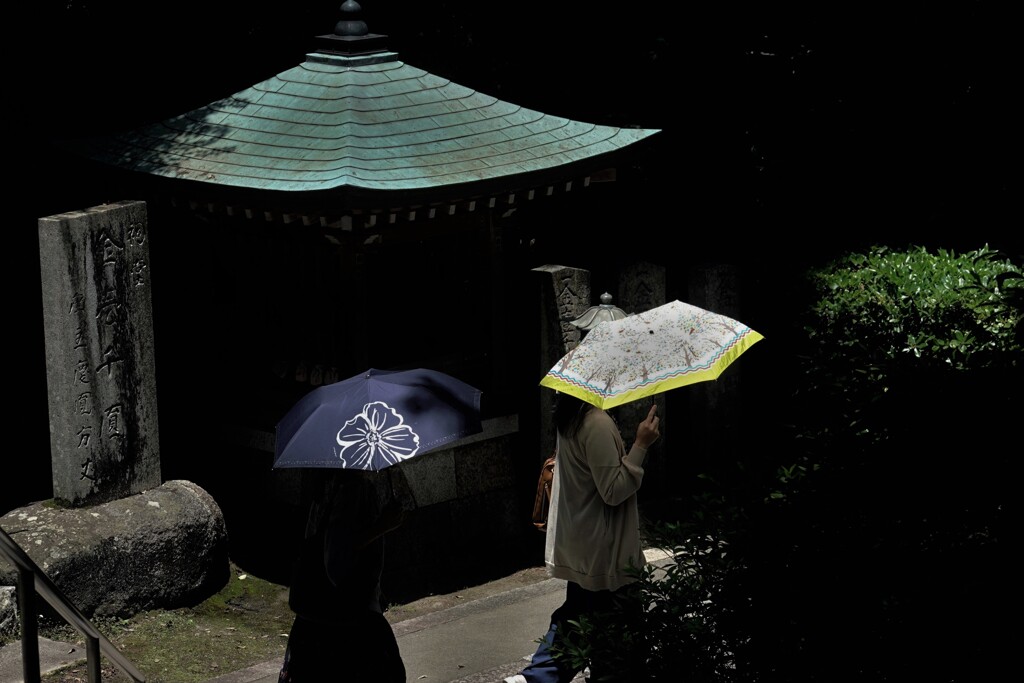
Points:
(481, 641)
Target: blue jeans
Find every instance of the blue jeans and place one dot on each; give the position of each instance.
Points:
(579, 601)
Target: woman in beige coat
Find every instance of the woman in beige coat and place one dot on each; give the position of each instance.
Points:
(593, 535)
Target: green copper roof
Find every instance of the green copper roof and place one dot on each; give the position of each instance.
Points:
(366, 121)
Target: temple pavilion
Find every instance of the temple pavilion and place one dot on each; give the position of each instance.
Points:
(354, 211)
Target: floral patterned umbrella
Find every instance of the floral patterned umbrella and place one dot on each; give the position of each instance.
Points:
(644, 354)
(376, 419)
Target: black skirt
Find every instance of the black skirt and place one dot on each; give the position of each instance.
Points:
(359, 648)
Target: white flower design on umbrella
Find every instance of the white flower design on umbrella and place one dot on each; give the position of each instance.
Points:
(376, 433)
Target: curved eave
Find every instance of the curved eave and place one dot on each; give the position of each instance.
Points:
(367, 123)
(349, 208)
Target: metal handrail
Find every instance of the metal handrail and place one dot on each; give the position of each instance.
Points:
(33, 581)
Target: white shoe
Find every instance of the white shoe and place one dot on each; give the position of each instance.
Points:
(518, 678)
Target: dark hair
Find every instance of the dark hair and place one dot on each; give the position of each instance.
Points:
(324, 488)
(569, 413)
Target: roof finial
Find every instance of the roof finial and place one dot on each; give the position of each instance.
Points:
(351, 35)
(350, 24)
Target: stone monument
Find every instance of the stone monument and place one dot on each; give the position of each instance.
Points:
(97, 314)
(120, 540)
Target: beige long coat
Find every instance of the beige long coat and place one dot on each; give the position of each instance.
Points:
(594, 527)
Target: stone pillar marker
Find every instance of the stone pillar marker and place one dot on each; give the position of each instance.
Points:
(100, 372)
(717, 405)
(564, 296)
(642, 286)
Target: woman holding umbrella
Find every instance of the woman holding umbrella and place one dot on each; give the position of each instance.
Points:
(347, 432)
(593, 534)
(340, 632)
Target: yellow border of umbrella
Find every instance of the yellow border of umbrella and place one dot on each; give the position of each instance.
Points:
(657, 385)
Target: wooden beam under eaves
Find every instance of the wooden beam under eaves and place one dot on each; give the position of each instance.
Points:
(368, 217)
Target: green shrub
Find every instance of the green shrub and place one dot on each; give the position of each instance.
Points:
(887, 318)
(881, 551)
(668, 628)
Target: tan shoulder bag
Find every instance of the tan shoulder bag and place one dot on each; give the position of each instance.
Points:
(542, 502)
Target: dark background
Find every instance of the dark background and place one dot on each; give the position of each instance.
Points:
(791, 132)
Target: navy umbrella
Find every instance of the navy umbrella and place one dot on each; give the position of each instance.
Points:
(376, 419)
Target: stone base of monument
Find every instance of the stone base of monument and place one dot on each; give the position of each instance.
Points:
(163, 548)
